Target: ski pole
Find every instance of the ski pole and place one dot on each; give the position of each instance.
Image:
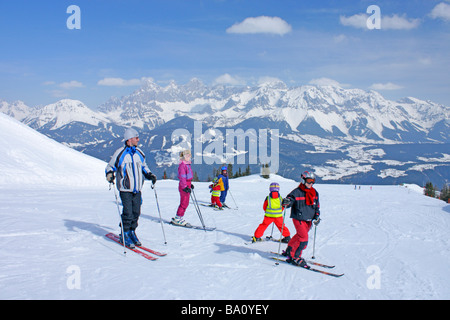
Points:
(159, 212)
(197, 208)
(233, 199)
(314, 242)
(120, 216)
(279, 245)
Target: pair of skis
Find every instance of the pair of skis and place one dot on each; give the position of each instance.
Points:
(209, 205)
(308, 266)
(214, 207)
(139, 250)
(190, 226)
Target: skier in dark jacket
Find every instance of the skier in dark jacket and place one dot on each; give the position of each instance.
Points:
(305, 209)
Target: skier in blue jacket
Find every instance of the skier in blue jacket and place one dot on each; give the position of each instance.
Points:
(224, 177)
(128, 168)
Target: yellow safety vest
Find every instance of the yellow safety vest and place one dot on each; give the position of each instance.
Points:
(274, 208)
(215, 193)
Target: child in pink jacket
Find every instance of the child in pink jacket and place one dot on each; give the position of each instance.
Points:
(185, 176)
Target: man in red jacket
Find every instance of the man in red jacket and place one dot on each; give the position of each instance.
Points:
(305, 209)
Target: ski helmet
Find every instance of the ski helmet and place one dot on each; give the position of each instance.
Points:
(308, 176)
(274, 187)
(224, 168)
(129, 134)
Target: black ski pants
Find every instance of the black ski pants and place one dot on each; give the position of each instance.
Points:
(131, 203)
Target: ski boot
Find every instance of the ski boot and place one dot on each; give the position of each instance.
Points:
(134, 238)
(287, 252)
(179, 221)
(254, 239)
(300, 262)
(128, 242)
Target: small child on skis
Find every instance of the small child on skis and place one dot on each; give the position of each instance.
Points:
(273, 214)
(215, 194)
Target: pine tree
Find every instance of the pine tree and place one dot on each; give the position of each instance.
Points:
(445, 193)
(430, 190)
(247, 171)
(230, 170)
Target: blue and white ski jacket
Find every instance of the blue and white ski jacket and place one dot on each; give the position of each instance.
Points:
(128, 163)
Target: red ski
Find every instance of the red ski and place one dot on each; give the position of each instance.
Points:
(156, 253)
(115, 238)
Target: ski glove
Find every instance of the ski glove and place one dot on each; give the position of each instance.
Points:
(110, 177)
(316, 220)
(286, 202)
(187, 189)
(150, 176)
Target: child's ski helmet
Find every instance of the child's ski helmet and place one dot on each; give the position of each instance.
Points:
(274, 187)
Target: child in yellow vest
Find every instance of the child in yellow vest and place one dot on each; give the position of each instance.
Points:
(273, 214)
(215, 194)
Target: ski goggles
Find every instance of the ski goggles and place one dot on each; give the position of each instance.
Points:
(309, 180)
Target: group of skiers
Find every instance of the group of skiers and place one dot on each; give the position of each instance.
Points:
(127, 168)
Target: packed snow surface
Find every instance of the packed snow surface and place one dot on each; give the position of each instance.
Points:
(55, 206)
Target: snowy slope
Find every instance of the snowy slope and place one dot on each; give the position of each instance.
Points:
(29, 158)
(51, 233)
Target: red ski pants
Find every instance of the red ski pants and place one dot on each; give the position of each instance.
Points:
(267, 222)
(299, 241)
(216, 201)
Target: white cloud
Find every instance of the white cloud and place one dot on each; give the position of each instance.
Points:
(262, 24)
(399, 23)
(385, 86)
(228, 79)
(394, 22)
(268, 79)
(71, 84)
(356, 21)
(340, 38)
(441, 11)
(119, 82)
(327, 82)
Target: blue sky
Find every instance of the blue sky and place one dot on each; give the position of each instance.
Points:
(234, 42)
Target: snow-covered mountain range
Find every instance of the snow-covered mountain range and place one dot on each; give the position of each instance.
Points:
(343, 133)
(347, 113)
